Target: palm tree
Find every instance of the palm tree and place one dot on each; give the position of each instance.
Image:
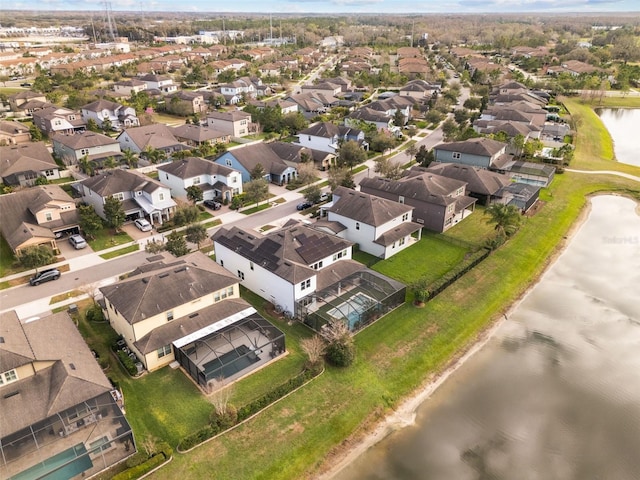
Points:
(505, 217)
(130, 158)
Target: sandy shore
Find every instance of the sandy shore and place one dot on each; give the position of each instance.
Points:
(405, 414)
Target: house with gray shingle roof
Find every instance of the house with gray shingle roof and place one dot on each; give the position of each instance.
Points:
(481, 184)
(247, 158)
(37, 216)
(378, 226)
(478, 152)
(21, 165)
(189, 310)
(326, 136)
(56, 404)
(141, 196)
(95, 146)
(216, 181)
(61, 120)
(439, 202)
(150, 137)
(236, 122)
(13, 132)
(120, 116)
(27, 102)
(196, 135)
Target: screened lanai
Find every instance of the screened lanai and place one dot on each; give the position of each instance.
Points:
(230, 351)
(358, 299)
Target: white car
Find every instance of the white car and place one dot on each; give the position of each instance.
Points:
(143, 225)
(77, 241)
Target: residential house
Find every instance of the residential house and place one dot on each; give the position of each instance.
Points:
(326, 88)
(162, 83)
(13, 133)
(381, 120)
(185, 103)
(481, 183)
(247, 158)
(311, 104)
(216, 181)
(379, 227)
(308, 274)
(235, 122)
(439, 202)
(21, 165)
(37, 216)
(157, 136)
(141, 196)
(326, 137)
(413, 66)
(189, 310)
(538, 174)
(27, 102)
(196, 135)
(118, 115)
(286, 107)
(242, 87)
(60, 417)
(127, 88)
(94, 146)
(59, 120)
(344, 83)
(479, 152)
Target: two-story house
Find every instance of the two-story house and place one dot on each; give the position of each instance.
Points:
(51, 120)
(189, 310)
(21, 165)
(307, 273)
(216, 181)
(185, 103)
(95, 146)
(37, 216)
(196, 135)
(478, 152)
(236, 123)
(161, 83)
(101, 111)
(326, 137)
(240, 87)
(127, 88)
(27, 102)
(247, 158)
(157, 136)
(378, 226)
(141, 196)
(60, 417)
(439, 202)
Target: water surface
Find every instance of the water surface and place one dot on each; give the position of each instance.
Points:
(555, 394)
(622, 124)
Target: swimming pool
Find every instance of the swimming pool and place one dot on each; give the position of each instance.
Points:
(352, 309)
(63, 466)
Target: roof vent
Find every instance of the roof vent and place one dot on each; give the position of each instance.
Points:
(12, 394)
(72, 366)
(164, 275)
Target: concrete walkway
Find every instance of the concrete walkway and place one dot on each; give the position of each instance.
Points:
(605, 172)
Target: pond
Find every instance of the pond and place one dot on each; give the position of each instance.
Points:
(622, 124)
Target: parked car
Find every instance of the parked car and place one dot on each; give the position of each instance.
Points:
(212, 204)
(77, 241)
(304, 205)
(25, 84)
(143, 225)
(324, 196)
(44, 276)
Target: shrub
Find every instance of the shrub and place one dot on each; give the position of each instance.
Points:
(95, 314)
(226, 420)
(197, 438)
(451, 276)
(340, 354)
(137, 459)
(139, 470)
(127, 363)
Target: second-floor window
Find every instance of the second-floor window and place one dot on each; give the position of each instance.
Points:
(169, 315)
(455, 155)
(164, 351)
(48, 216)
(8, 377)
(240, 274)
(196, 181)
(118, 196)
(306, 284)
(357, 225)
(161, 196)
(84, 151)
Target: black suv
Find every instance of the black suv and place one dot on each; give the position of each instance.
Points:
(44, 276)
(212, 204)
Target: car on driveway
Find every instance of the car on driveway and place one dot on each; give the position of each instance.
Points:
(77, 241)
(304, 205)
(44, 276)
(212, 204)
(143, 225)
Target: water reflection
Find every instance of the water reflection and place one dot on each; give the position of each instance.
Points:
(556, 393)
(622, 124)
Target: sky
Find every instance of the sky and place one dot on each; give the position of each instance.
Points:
(335, 6)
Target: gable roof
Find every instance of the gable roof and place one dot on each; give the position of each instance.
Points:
(117, 180)
(165, 285)
(13, 127)
(329, 130)
(72, 376)
(194, 166)
(478, 180)
(84, 140)
(232, 116)
(474, 146)
(427, 187)
(157, 135)
(289, 152)
(287, 252)
(102, 104)
(25, 157)
(259, 153)
(365, 208)
(197, 133)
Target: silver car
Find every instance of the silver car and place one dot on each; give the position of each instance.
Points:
(77, 241)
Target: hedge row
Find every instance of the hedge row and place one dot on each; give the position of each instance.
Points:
(127, 363)
(452, 275)
(139, 466)
(248, 410)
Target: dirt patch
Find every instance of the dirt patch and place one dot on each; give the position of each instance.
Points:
(535, 208)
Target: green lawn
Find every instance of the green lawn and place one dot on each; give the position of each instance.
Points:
(7, 259)
(120, 251)
(107, 239)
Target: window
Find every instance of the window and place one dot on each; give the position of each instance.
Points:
(400, 199)
(306, 284)
(405, 217)
(8, 377)
(216, 297)
(401, 241)
(166, 176)
(460, 191)
(48, 216)
(161, 196)
(251, 265)
(240, 275)
(57, 123)
(357, 225)
(455, 155)
(48, 173)
(317, 265)
(196, 181)
(339, 255)
(164, 351)
(84, 151)
(228, 162)
(230, 291)
(169, 315)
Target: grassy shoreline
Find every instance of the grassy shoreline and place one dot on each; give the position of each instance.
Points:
(411, 346)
